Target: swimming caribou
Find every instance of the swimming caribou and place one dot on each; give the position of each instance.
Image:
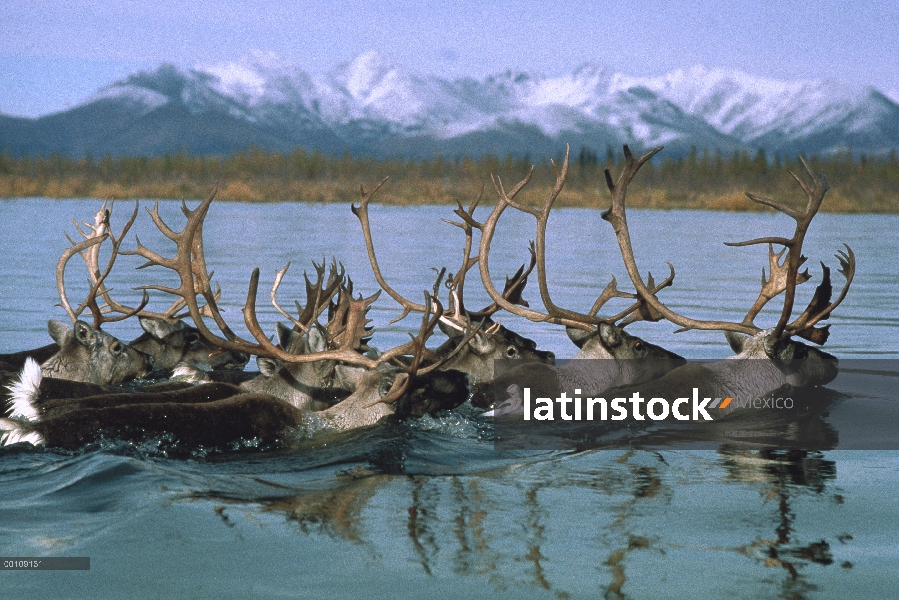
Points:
(98, 357)
(773, 359)
(624, 358)
(392, 383)
(475, 341)
(327, 372)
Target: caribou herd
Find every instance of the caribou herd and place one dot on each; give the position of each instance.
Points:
(319, 368)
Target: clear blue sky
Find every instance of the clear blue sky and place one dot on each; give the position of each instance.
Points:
(54, 54)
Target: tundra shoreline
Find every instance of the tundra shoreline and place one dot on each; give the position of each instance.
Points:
(419, 192)
(697, 180)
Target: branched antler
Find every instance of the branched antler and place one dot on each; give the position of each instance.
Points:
(89, 249)
(554, 313)
(459, 318)
(815, 195)
(190, 265)
(783, 276)
(361, 213)
(318, 298)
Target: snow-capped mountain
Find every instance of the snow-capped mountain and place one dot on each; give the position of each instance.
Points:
(372, 106)
(765, 112)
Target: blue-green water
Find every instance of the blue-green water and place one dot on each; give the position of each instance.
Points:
(427, 507)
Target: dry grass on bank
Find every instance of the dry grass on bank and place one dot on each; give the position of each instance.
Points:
(417, 191)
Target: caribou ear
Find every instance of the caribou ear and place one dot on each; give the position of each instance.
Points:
(610, 335)
(578, 336)
(283, 334)
(735, 340)
(158, 328)
(269, 367)
(59, 331)
(318, 341)
(85, 334)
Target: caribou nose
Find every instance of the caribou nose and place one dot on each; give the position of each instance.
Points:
(148, 361)
(832, 368)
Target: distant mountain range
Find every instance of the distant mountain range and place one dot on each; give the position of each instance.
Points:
(371, 106)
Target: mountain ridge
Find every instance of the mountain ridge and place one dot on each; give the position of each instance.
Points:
(372, 106)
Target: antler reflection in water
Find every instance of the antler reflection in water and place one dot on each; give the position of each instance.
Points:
(778, 475)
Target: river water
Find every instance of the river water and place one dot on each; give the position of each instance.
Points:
(428, 507)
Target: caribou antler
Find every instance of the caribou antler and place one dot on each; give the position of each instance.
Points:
(514, 286)
(318, 298)
(776, 283)
(814, 195)
(783, 276)
(190, 265)
(554, 313)
(89, 249)
(109, 306)
(616, 216)
(512, 290)
(820, 307)
(456, 284)
(361, 213)
(459, 319)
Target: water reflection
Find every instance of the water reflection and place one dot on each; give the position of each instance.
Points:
(334, 510)
(780, 475)
(615, 507)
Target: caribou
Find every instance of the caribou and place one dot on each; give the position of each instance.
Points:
(389, 384)
(474, 340)
(168, 342)
(323, 370)
(766, 359)
(88, 354)
(624, 358)
(93, 356)
(84, 352)
(166, 336)
(215, 414)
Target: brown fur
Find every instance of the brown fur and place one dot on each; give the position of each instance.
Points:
(210, 424)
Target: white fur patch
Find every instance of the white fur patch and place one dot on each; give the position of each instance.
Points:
(22, 394)
(25, 391)
(14, 432)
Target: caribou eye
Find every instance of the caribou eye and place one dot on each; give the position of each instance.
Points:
(638, 346)
(511, 352)
(116, 347)
(191, 338)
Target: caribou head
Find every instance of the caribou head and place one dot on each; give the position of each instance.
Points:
(93, 356)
